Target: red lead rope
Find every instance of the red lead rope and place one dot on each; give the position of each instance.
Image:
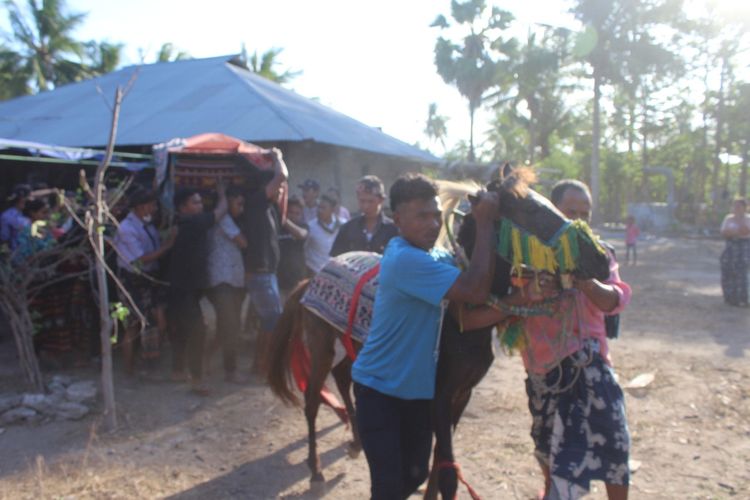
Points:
(347, 340)
(453, 465)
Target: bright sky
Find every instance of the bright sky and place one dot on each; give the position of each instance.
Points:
(370, 60)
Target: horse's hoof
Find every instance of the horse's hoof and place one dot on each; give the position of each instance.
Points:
(317, 486)
(354, 450)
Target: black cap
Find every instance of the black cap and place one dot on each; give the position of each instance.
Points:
(141, 195)
(19, 191)
(310, 184)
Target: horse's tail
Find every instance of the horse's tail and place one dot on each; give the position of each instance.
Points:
(287, 333)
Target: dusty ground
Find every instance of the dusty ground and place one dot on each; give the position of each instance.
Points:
(690, 427)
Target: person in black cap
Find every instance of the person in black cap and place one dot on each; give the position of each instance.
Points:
(371, 230)
(13, 220)
(139, 249)
(310, 192)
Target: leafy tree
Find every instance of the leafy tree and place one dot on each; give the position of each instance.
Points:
(103, 57)
(535, 98)
(618, 46)
(739, 130)
(436, 129)
(168, 52)
(265, 66)
(468, 64)
(44, 36)
(14, 75)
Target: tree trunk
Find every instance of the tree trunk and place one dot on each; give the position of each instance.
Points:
(743, 171)
(718, 142)
(108, 391)
(532, 145)
(472, 109)
(595, 136)
(17, 311)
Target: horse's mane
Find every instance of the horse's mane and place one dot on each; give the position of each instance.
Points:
(519, 181)
(516, 183)
(451, 193)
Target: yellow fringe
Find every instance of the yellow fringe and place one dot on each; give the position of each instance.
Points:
(517, 252)
(567, 254)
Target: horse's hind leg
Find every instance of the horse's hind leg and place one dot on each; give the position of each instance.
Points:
(342, 374)
(320, 340)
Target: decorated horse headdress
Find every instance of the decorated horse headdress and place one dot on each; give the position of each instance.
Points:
(531, 235)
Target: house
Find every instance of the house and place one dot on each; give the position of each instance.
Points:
(189, 97)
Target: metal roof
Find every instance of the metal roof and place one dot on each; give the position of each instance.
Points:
(186, 98)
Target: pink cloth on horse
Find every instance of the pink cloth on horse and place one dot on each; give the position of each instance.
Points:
(329, 295)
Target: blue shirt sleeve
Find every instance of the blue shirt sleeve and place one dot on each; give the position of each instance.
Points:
(426, 276)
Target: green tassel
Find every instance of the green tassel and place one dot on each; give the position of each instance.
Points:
(512, 334)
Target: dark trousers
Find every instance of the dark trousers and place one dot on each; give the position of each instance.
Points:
(630, 247)
(396, 436)
(227, 302)
(187, 331)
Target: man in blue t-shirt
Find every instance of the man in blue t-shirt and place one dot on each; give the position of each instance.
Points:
(394, 374)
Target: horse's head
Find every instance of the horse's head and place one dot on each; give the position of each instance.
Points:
(530, 223)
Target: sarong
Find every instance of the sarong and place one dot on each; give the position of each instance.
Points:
(735, 260)
(578, 423)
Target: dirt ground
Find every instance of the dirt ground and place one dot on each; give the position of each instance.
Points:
(690, 427)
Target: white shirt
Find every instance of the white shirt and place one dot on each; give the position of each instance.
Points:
(319, 242)
(310, 213)
(225, 264)
(134, 239)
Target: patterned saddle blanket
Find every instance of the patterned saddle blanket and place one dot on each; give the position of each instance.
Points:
(329, 295)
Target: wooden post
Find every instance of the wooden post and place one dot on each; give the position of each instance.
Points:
(96, 232)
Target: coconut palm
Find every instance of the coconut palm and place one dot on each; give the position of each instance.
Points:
(436, 129)
(14, 77)
(265, 66)
(168, 52)
(469, 64)
(43, 35)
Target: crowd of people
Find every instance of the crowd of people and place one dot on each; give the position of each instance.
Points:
(238, 245)
(240, 248)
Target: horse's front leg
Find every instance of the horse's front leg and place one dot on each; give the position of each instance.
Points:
(320, 344)
(443, 478)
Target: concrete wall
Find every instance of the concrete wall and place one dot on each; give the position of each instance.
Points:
(652, 216)
(340, 168)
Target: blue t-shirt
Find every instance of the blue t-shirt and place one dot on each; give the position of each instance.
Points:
(399, 357)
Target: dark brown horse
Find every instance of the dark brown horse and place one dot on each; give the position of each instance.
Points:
(464, 357)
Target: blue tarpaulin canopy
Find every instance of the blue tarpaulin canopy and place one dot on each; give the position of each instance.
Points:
(186, 98)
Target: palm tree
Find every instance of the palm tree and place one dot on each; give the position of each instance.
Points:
(14, 76)
(103, 57)
(436, 129)
(264, 66)
(168, 52)
(44, 36)
(469, 65)
(535, 98)
(618, 46)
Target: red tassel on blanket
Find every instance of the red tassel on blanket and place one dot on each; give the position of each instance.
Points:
(347, 338)
(300, 365)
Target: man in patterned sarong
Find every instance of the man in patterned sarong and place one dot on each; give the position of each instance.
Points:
(579, 426)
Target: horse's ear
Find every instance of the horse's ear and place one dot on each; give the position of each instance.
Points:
(506, 170)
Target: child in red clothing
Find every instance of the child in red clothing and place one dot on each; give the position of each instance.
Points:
(631, 237)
